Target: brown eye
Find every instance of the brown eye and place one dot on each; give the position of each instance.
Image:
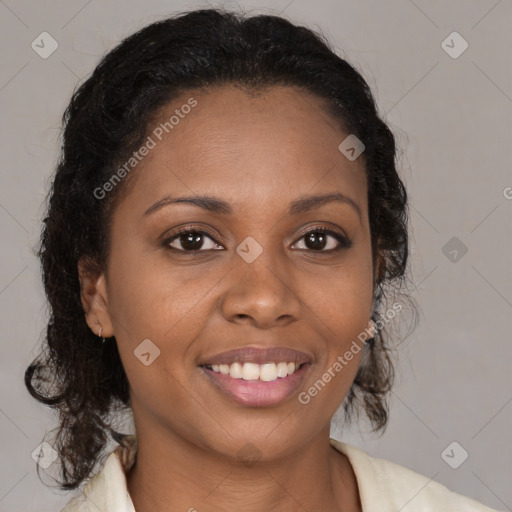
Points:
(192, 240)
(324, 240)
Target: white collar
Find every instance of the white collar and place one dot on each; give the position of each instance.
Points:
(383, 485)
(117, 499)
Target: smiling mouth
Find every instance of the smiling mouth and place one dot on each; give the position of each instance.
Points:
(256, 376)
(257, 385)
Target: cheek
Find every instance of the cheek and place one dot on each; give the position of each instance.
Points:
(147, 295)
(344, 297)
(343, 303)
(159, 310)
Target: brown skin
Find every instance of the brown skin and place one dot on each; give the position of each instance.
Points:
(258, 153)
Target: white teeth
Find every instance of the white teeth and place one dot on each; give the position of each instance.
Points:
(282, 369)
(268, 372)
(251, 371)
(235, 371)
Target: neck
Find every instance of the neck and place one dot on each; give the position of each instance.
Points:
(179, 475)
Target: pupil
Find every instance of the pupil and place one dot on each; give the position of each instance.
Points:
(315, 240)
(191, 241)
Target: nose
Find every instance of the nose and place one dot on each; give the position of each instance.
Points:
(261, 293)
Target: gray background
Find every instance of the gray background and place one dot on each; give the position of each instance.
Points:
(452, 118)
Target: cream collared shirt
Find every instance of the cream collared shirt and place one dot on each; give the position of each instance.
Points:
(383, 486)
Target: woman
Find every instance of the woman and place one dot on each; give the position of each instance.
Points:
(223, 226)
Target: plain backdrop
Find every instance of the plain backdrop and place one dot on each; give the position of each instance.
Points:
(451, 111)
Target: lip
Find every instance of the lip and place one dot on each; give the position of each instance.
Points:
(259, 356)
(256, 393)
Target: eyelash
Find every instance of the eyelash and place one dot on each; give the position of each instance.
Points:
(343, 241)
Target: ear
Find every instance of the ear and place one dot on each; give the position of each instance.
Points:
(94, 298)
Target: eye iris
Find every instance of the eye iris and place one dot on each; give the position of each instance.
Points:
(191, 241)
(316, 240)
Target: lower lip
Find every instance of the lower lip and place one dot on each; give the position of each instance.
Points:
(257, 393)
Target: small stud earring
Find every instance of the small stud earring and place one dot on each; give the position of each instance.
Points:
(99, 334)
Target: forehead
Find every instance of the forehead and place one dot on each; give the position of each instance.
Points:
(246, 146)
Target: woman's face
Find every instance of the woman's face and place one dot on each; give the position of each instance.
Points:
(260, 277)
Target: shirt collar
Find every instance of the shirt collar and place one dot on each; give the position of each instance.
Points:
(108, 490)
(120, 461)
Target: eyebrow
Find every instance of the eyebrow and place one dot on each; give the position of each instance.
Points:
(217, 205)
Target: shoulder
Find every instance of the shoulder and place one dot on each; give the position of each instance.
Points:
(385, 487)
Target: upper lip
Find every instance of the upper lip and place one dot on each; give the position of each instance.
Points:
(258, 356)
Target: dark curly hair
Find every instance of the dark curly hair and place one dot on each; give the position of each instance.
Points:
(107, 119)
